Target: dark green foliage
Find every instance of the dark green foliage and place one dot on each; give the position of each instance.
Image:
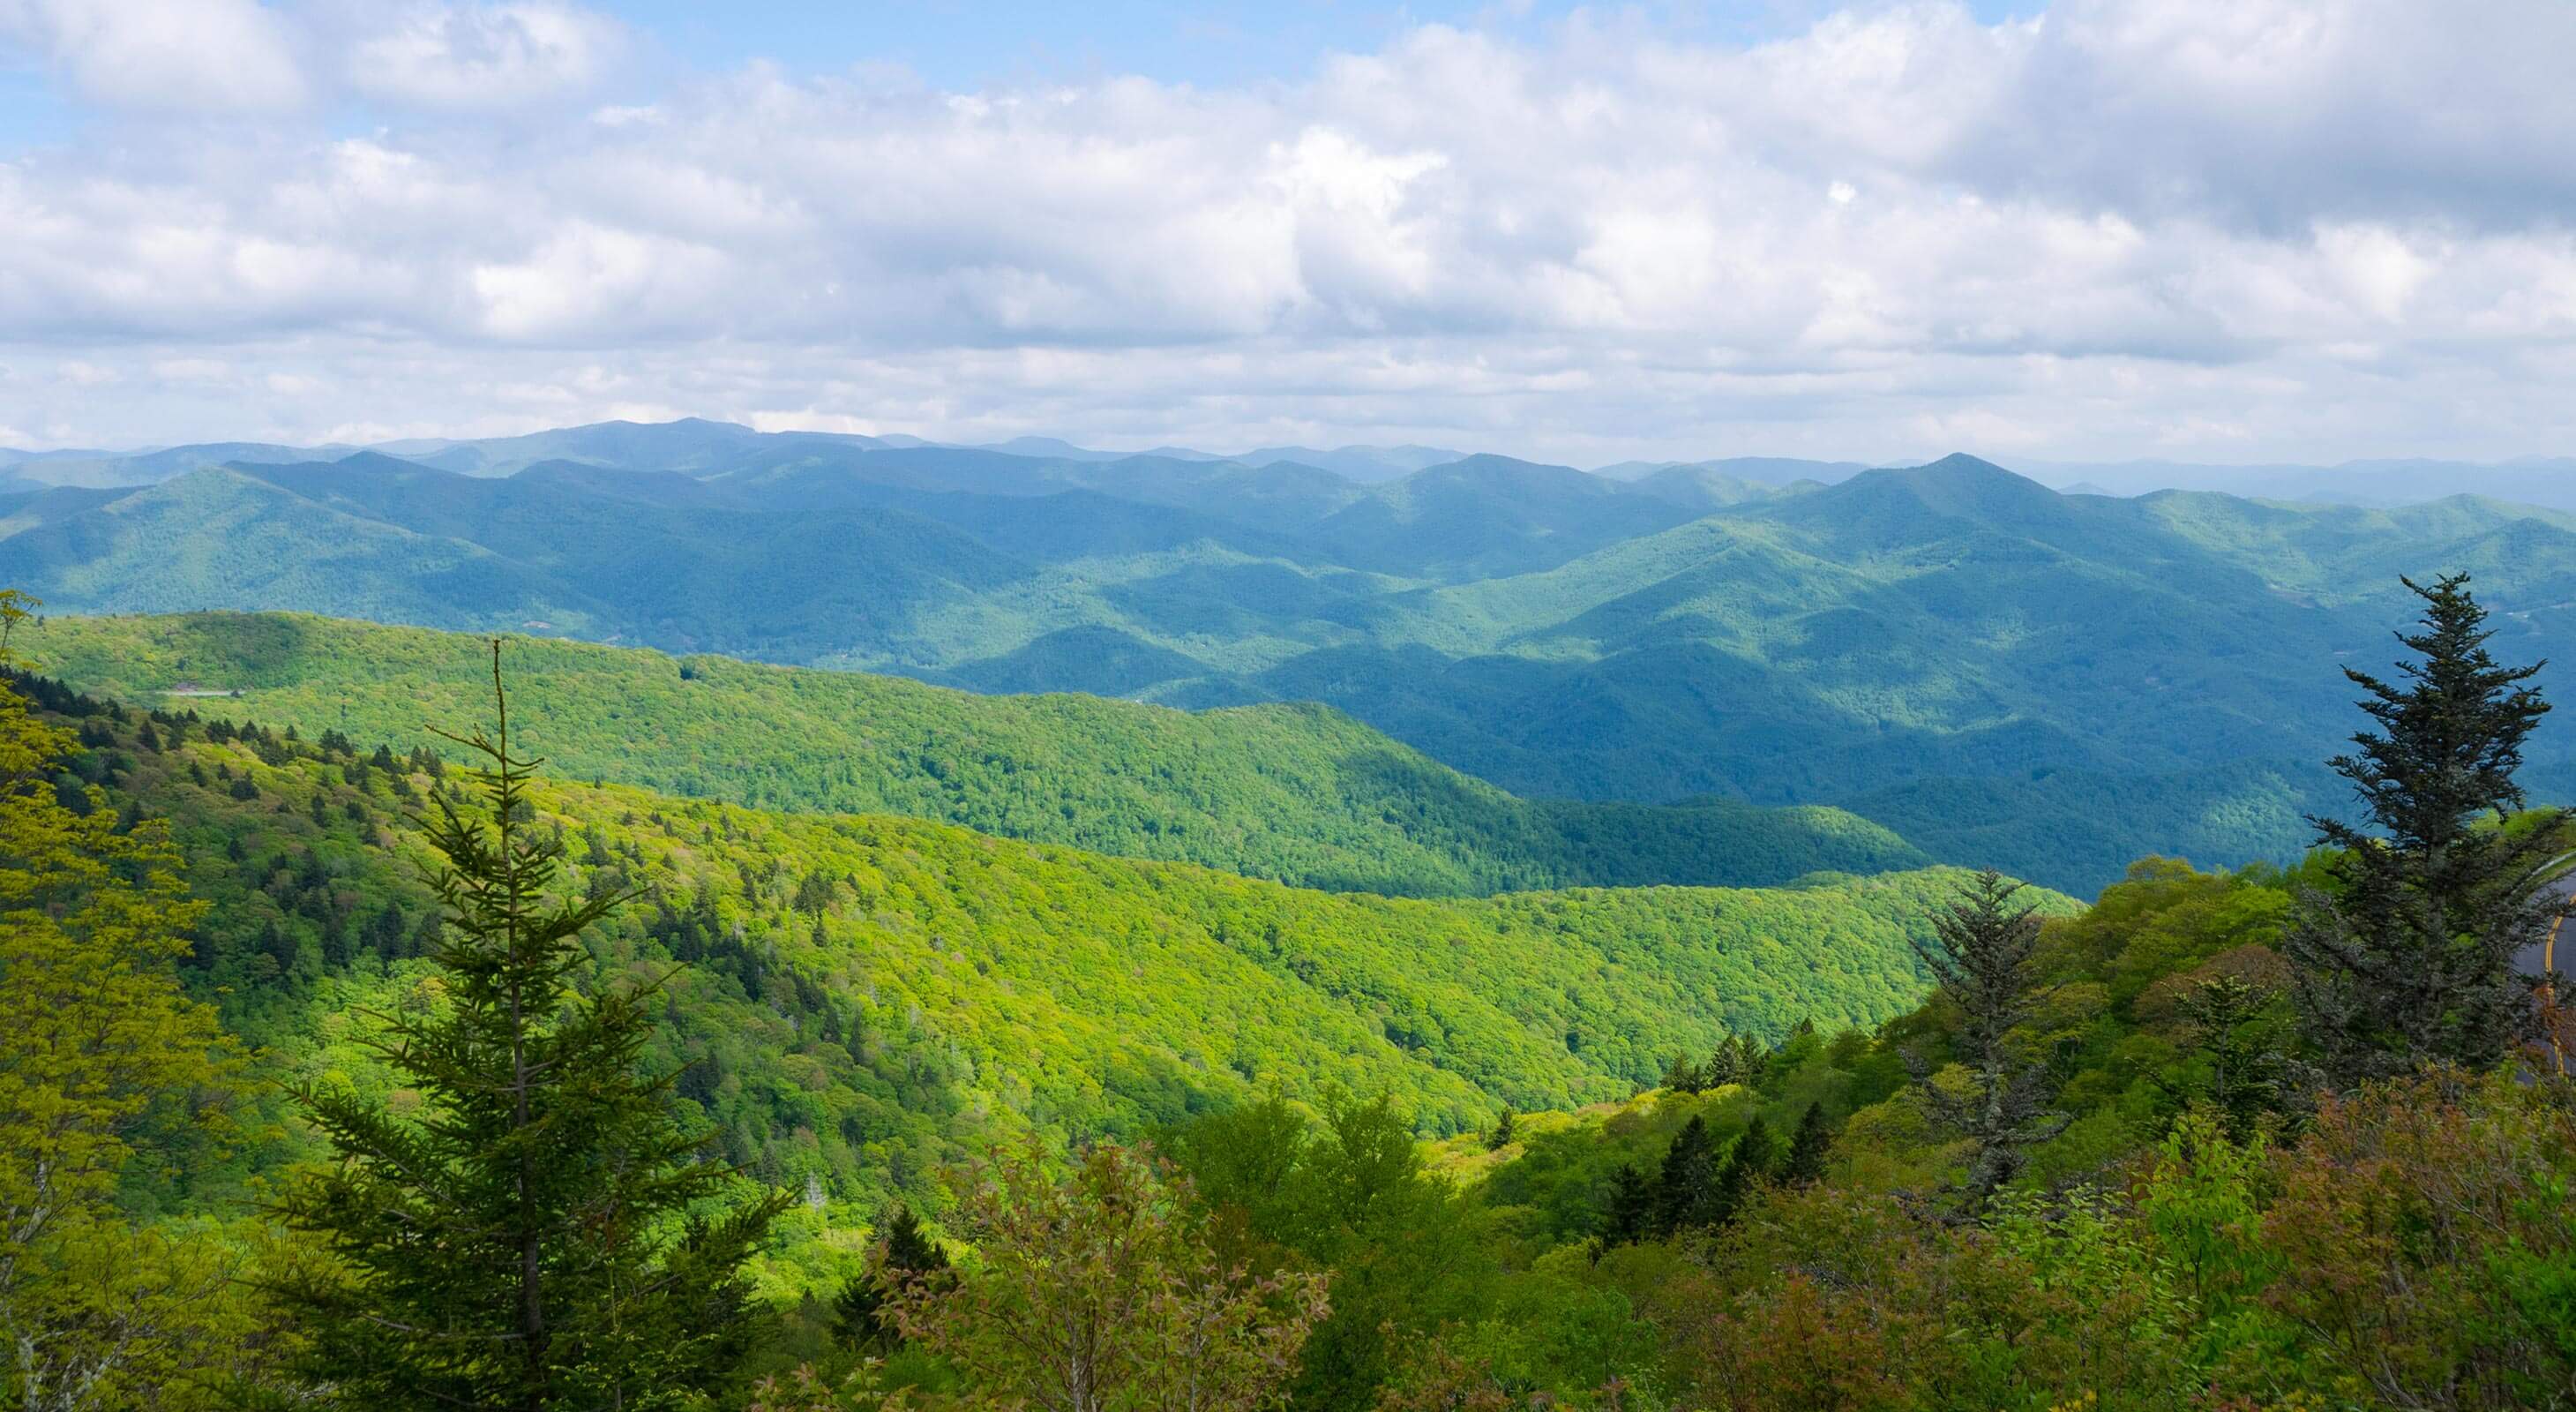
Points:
(1982, 958)
(1754, 1159)
(905, 1254)
(1347, 1193)
(2408, 959)
(524, 1243)
(1683, 1076)
(1629, 1214)
(1804, 1163)
(2241, 1068)
(1502, 1135)
(1686, 1184)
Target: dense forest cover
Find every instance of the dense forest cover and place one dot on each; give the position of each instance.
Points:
(1302, 794)
(1925, 646)
(1010, 1124)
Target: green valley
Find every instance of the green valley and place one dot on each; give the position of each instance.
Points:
(862, 993)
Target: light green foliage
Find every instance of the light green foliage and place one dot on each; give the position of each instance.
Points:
(537, 1234)
(1299, 793)
(957, 985)
(109, 1074)
(1420, 1271)
(1098, 1290)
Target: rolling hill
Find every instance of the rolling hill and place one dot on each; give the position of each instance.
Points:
(1298, 793)
(858, 996)
(2086, 679)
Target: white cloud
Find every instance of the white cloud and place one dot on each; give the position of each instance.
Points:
(442, 55)
(2272, 229)
(186, 56)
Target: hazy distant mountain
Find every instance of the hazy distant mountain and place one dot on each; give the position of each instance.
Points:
(1760, 470)
(2537, 480)
(111, 468)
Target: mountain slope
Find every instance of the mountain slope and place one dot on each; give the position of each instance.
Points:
(859, 996)
(1301, 793)
(1867, 642)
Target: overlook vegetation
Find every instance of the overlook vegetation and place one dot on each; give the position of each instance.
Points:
(1301, 794)
(1133, 1133)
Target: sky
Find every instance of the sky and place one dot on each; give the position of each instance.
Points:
(2190, 230)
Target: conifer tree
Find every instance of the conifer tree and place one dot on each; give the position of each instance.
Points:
(1683, 1076)
(1631, 1214)
(1981, 957)
(2409, 960)
(1720, 1068)
(1814, 1140)
(1683, 1187)
(1752, 1161)
(2240, 1072)
(1503, 1134)
(907, 1255)
(521, 1243)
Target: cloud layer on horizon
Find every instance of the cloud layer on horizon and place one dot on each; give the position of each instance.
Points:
(2196, 229)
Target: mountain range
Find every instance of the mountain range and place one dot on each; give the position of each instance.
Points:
(2000, 673)
(696, 444)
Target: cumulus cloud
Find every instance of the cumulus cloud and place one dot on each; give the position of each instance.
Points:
(2251, 228)
(170, 55)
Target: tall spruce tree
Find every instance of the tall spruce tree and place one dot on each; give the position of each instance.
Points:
(1982, 957)
(1687, 1180)
(1630, 1216)
(2408, 959)
(1753, 1160)
(1805, 1164)
(521, 1242)
(906, 1255)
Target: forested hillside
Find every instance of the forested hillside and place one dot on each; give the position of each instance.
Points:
(862, 992)
(1923, 646)
(1301, 794)
(2259, 1138)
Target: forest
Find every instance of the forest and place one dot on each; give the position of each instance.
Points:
(1998, 672)
(348, 1064)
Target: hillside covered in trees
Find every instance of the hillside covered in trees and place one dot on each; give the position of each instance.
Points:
(860, 993)
(1298, 793)
(1922, 645)
(345, 1074)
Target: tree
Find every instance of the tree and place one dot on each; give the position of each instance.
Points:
(815, 893)
(2408, 959)
(522, 1242)
(905, 1254)
(1502, 1136)
(2239, 1070)
(1630, 1216)
(1098, 1291)
(1753, 1160)
(1808, 1149)
(99, 1048)
(1683, 1076)
(1687, 1180)
(1981, 957)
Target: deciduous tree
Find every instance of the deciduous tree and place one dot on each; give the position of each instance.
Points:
(1096, 1290)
